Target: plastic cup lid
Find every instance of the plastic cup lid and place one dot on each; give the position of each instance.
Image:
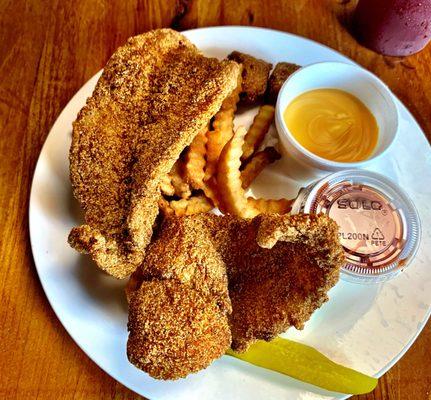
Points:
(379, 226)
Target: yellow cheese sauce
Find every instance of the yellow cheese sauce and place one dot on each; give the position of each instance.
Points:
(332, 124)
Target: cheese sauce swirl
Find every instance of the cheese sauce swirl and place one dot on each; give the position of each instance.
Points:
(332, 124)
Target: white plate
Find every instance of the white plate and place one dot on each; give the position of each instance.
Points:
(364, 327)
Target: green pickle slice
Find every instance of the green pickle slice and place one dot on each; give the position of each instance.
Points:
(305, 363)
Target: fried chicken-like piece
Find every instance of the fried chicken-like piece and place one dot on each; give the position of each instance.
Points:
(281, 72)
(279, 270)
(254, 76)
(185, 252)
(179, 303)
(174, 329)
(155, 95)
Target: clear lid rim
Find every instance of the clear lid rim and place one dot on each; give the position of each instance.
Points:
(392, 191)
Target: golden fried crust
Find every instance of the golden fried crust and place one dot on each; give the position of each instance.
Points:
(181, 288)
(281, 72)
(271, 288)
(155, 94)
(254, 76)
(278, 287)
(185, 252)
(281, 284)
(174, 330)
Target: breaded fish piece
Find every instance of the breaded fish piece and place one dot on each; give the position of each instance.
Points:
(254, 76)
(179, 303)
(154, 96)
(279, 269)
(174, 329)
(183, 250)
(280, 283)
(278, 76)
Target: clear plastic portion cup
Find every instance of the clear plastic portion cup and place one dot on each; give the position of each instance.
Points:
(379, 227)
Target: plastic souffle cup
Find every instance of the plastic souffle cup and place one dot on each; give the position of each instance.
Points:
(379, 226)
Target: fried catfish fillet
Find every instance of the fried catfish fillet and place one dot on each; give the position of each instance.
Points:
(175, 330)
(179, 303)
(279, 270)
(155, 95)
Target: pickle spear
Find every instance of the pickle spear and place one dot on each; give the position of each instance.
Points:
(306, 364)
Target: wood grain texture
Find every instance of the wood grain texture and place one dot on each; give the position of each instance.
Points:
(48, 50)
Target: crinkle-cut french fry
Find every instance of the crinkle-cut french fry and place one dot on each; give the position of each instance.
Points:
(231, 102)
(165, 185)
(182, 188)
(270, 206)
(217, 138)
(232, 195)
(257, 163)
(211, 191)
(193, 205)
(165, 207)
(222, 130)
(194, 167)
(257, 131)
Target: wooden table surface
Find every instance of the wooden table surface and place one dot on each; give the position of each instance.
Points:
(48, 50)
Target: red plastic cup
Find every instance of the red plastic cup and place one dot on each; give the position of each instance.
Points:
(393, 27)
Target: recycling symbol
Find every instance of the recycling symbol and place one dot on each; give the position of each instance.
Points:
(377, 234)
